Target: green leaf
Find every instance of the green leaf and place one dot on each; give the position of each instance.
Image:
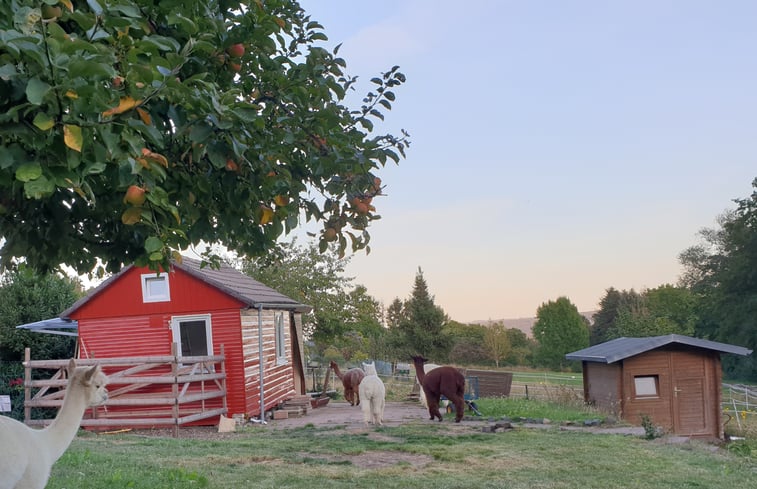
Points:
(43, 121)
(36, 90)
(7, 71)
(95, 168)
(153, 244)
(127, 10)
(41, 187)
(184, 23)
(28, 172)
(6, 158)
(90, 69)
(95, 6)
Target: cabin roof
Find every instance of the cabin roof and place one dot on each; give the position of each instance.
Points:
(227, 279)
(621, 348)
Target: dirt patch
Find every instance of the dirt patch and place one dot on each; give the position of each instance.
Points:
(336, 415)
(349, 419)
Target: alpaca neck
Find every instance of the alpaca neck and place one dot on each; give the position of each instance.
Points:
(58, 436)
(337, 372)
(420, 373)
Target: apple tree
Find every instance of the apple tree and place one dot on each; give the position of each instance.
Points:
(131, 129)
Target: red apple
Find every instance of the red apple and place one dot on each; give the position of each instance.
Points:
(236, 50)
(135, 195)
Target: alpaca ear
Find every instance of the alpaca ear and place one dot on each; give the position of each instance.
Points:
(71, 367)
(91, 373)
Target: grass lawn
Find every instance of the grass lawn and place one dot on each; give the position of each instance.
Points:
(415, 455)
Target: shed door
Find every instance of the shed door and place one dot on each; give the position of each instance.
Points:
(691, 385)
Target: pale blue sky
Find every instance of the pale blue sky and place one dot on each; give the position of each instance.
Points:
(558, 147)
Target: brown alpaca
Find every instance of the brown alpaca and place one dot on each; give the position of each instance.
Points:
(351, 381)
(442, 381)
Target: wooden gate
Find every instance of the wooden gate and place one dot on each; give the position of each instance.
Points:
(167, 391)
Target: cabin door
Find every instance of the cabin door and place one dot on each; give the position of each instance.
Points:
(691, 386)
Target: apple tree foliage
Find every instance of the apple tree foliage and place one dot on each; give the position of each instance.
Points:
(131, 129)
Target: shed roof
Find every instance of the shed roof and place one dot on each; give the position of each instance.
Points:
(227, 279)
(621, 348)
(241, 286)
(64, 327)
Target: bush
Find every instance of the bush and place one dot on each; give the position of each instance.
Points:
(12, 383)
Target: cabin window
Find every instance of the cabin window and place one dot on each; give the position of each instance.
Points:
(646, 385)
(281, 351)
(155, 288)
(193, 335)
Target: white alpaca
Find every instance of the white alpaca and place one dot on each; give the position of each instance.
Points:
(428, 367)
(372, 396)
(27, 455)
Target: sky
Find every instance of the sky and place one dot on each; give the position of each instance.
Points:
(558, 148)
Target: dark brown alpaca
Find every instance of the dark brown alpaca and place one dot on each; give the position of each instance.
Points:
(442, 381)
(350, 380)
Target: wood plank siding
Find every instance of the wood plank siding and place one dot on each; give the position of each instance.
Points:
(688, 399)
(278, 380)
(602, 386)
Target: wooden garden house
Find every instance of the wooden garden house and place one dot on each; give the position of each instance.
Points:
(675, 380)
(140, 313)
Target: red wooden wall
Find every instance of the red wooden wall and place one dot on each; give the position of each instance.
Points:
(115, 322)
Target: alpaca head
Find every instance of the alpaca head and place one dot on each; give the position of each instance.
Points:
(370, 368)
(91, 380)
(333, 365)
(419, 360)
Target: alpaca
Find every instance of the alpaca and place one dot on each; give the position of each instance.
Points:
(373, 394)
(442, 381)
(27, 455)
(350, 380)
(422, 395)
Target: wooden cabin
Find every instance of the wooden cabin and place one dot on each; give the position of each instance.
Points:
(140, 313)
(675, 380)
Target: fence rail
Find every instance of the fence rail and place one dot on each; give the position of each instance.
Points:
(168, 391)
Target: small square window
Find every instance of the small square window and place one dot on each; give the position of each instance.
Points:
(646, 385)
(155, 288)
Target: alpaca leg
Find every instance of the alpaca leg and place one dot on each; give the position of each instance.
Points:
(378, 412)
(366, 408)
(433, 407)
(459, 409)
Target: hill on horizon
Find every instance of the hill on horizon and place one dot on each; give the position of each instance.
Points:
(524, 324)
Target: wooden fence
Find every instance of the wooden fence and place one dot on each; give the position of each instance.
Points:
(151, 391)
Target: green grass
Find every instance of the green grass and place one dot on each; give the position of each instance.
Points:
(427, 455)
(534, 408)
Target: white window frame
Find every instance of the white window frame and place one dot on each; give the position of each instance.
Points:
(147, 296)
(176, 330)
(280, 330)
(646, 386)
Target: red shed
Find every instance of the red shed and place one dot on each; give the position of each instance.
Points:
(141, 313)
(673, 379)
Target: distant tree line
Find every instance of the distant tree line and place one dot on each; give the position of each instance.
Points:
(716, 299)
